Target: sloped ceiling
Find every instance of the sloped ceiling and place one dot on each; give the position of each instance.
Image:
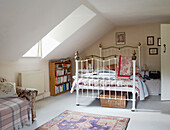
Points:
(82, 39)
(133, 12)
(24, 22)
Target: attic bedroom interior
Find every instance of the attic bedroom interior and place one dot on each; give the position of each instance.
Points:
(84, 64)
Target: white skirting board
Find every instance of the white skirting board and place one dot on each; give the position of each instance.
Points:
(42, 96)
(32, 79)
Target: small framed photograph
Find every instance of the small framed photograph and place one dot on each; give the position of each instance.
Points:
(120, 38)
(159, 41)
(150, 40)
(153, 51)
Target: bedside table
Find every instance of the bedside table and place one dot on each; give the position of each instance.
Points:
(154, 86)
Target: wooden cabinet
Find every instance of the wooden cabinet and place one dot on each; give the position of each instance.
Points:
(60, 76)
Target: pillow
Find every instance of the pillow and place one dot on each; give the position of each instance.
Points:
(2, 79)
(111, 67)
(7, 89)
(137, 70)
(125, 66)
(106, 71)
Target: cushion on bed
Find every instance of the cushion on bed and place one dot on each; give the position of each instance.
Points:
(124, 66)
(2, 79)
(111, 67)
(7, 89)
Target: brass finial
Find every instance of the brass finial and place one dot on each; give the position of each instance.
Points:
(100, 45)
(76, 55)
(134, 55)
(139, 44)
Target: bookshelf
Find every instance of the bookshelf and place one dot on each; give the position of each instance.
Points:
(60, 76)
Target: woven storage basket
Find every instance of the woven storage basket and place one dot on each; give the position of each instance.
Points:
(116, 103)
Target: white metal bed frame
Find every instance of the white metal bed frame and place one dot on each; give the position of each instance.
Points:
(101, 61)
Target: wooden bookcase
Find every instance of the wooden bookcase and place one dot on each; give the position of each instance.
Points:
(60, 76)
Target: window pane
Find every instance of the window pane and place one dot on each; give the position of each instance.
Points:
(48, 45)
(33, 52)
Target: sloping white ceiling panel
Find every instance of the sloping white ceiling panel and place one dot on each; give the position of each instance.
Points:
(133, 12)
(24, 22)
(82, 39)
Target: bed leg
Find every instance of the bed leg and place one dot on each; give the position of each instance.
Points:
(77, 97)
(132, 110)
(133, 103)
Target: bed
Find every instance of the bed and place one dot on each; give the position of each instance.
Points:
(112, 71)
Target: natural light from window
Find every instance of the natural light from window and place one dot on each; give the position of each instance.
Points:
(61, 32)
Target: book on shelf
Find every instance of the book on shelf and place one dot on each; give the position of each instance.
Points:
(58, 66)
(64, 66)
(63, 79)
(59, 72)
(56, 89)
(61, 88)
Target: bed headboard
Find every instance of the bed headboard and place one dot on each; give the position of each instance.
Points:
(106, 52)
(109, 56)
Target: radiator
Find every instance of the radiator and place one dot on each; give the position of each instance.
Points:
(32, 79)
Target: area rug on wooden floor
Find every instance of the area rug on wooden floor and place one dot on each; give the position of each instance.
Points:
(83, 121)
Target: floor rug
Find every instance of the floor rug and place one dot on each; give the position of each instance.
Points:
(84, 121)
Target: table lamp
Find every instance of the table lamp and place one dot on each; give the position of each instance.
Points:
(145, 68)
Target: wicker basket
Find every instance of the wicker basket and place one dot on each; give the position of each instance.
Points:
(116, 103)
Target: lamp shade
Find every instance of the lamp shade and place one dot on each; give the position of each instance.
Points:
(145, 68)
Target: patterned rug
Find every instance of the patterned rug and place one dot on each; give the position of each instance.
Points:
(84, 121)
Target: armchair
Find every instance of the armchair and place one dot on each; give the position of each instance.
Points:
(17, 105)
(30, 95)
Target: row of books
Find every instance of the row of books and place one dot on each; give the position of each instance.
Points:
(62, 72)
(62, 66)
(64, 60)
(59, 80)
(64, 87)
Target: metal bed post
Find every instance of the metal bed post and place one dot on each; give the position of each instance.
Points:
(139, 46)
(100, 47)
(134, 80)
(77, 84)
(115, 62)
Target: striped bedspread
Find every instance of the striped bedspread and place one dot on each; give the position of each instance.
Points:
(14, 113)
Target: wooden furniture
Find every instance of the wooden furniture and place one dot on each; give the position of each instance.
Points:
(60, 76)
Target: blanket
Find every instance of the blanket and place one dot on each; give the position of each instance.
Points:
(14, 113)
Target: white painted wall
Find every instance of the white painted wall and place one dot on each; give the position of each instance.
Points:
(10, 70)
(134, 35)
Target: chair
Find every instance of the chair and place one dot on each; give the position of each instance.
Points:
(16, 112)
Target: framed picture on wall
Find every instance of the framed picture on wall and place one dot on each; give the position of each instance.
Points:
(153, 51)
(159, 41)
(150, 40)
(120, 38)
